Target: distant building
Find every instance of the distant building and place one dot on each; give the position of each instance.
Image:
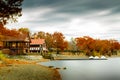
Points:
(38, 45)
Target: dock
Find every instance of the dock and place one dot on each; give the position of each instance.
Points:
(63, 57)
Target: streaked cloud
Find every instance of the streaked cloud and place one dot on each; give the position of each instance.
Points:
(74, 18)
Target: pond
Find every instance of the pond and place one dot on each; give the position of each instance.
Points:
(87, 69)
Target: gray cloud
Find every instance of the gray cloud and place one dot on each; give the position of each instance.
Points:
(37, 3)
(74, 6)
(68, 16)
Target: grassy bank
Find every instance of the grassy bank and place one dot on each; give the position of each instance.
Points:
(19, 68)
(28, 72)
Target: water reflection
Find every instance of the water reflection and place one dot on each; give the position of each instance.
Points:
(88, 69)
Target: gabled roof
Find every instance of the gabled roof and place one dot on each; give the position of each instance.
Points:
(20, 37)
(37, 41)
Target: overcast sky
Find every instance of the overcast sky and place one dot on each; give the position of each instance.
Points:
(74, 18)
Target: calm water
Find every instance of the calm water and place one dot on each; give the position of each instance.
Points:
(88, 69)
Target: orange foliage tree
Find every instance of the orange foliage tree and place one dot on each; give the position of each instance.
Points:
(58, 40)
(85, 44)
(103, 47)
(7, 32)
(49, 40)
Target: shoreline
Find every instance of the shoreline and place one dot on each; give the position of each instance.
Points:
(10, 67)
(27, 70)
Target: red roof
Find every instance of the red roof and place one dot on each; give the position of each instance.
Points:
(37, 41)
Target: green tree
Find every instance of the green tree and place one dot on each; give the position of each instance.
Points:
(10, 10)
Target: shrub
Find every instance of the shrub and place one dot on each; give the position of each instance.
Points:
(47, 56)
(2, 56)
(95, 53)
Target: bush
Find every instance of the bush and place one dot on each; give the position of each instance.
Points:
(47, 56)
(2, 56)
(95, 53)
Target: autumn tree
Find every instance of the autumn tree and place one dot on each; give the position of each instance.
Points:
(13, 33)
(24, 30)
(58, 39)
(2, 29)
(34, 36)
(1, 32)
(10, 10)
(96, 46)
(85, 44)
(115, 45)
(65, 45)
(49, 41)
(41, 35)
(7, 32)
